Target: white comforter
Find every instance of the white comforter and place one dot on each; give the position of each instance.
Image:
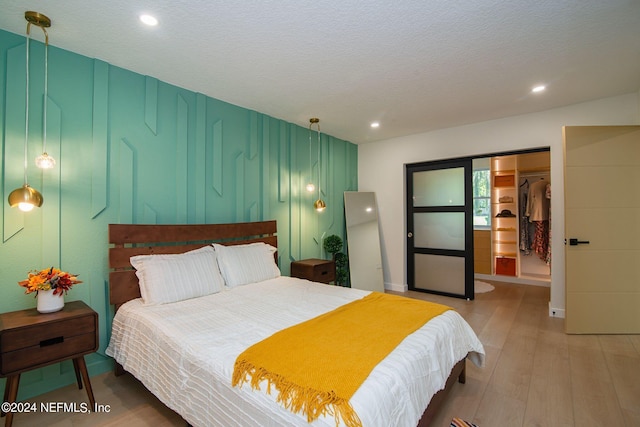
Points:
(184, 353)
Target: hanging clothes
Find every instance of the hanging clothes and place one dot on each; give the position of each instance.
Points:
(525, 236)
(538, 208)
(541, 239)
(537, 202)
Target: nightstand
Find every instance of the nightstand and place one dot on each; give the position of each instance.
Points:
(30, 340)
(316, 270)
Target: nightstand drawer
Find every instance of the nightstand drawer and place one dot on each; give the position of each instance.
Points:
(34, 335)
(47, 351)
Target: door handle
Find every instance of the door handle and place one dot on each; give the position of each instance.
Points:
(576, 242)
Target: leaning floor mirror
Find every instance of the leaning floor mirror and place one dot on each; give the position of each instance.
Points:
(363, 240)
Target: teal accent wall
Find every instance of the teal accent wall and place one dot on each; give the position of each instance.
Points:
(133, 149)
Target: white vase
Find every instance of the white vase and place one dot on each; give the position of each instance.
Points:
(48, 302)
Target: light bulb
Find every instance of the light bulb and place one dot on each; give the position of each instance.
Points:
(25, 207)
(310, 187)
(45, 161)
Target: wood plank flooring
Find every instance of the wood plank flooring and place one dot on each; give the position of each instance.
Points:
(534, 375)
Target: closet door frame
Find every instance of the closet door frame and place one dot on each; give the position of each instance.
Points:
(409, 254)
(458, 215)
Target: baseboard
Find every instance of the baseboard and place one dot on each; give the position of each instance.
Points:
(553, 312)
(395, 287)
(513, 279)
(556, 312)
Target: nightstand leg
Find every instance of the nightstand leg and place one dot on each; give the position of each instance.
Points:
(85, 378)
(10, 395)
(6, 394)
(76, 368)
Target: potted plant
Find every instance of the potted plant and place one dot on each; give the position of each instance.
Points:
(50, 285)
(333, 245)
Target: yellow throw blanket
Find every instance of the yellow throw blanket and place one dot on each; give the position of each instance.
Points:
(316, 366)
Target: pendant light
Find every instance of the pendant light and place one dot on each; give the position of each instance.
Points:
(27, 197)
(44, 160)
(310, 186)
(319, 205)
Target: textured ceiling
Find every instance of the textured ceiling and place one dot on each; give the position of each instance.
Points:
(412, 65)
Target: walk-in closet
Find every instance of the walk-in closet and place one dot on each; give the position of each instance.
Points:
(515, 243)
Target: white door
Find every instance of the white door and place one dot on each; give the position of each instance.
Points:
(602, 226)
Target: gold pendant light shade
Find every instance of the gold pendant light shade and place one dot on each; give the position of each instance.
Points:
(25, 198)
(319, 205)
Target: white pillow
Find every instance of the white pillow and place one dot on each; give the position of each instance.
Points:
(176, 277)
(250, 263)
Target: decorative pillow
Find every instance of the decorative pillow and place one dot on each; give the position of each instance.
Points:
(242, 264)
(176, 277)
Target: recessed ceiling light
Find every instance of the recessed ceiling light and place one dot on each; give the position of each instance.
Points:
(148, 20)
(539, 88)
(375, 125)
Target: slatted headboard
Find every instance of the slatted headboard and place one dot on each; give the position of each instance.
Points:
(143, 239)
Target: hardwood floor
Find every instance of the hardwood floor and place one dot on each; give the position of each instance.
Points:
(534, 374)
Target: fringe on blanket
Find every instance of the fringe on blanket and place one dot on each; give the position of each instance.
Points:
(313, 403)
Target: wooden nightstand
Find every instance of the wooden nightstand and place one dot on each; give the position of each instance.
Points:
(316, 270)
(30, 340)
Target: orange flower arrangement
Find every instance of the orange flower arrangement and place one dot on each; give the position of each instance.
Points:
(49, 278)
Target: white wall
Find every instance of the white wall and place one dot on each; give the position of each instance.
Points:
(381, 169)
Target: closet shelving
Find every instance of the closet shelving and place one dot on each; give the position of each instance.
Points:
(504, 207)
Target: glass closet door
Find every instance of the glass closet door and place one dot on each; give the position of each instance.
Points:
(440, 228)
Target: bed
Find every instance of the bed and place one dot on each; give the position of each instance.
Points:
(183, 349)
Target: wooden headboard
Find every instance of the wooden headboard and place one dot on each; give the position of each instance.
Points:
(143, 239)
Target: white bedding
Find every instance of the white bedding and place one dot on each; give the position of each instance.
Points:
(184, 353)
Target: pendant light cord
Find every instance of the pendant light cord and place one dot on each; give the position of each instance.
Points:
(310, 165)
(46, 90)
(26, 114)
(319, 163)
